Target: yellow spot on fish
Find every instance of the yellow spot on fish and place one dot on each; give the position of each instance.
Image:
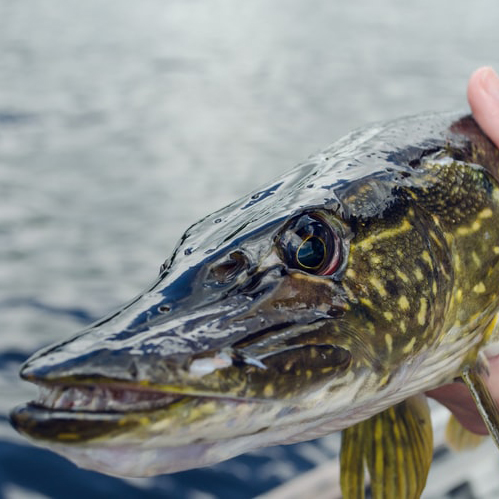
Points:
(491, 328)
(485, 213)
(422, 311)
(496, 250)
(459, 295)
(367, 243)
(68, 436)
(351, 273)
(367, 302)
(466, 231)
(426, 257)
(404, 303)
(375, 259)
(418, 274)
(403, 327)
(382, 382)
(434, 288)
(308, 373)
(370, 327)
(476, 258)
(479, 288)
(349, 292)
(389, 342)
(402, 276)
(457, 261)
(144, 421)
(436, 220)
(409, 345)
(437, 240)
(388, 315)
(378, 285)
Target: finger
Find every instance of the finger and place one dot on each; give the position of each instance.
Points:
(459, 401)
(483, 97)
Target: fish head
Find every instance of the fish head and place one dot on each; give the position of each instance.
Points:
(298, 310)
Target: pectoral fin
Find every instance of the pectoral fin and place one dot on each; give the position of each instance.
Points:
(475, 381)
(397, 447)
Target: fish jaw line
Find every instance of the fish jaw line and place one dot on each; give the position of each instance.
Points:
(106, 397)
(79, 414)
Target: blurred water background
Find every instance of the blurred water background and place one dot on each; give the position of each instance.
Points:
(123, 122)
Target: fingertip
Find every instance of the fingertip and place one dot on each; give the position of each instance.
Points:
(476, 85)
(483, 98)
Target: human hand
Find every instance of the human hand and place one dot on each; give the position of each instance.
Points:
(483, 97)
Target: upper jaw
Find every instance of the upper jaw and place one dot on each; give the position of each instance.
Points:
(146, 344)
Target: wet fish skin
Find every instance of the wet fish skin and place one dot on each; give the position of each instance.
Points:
(250, 349)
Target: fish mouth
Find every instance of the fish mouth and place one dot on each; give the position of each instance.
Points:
(82, 413)
(101, 399)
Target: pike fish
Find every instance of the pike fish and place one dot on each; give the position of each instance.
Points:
(331, 299)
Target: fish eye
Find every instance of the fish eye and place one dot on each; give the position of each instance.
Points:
(310, 244)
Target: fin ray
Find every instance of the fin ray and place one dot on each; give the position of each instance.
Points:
(397, 447)
(352, 462)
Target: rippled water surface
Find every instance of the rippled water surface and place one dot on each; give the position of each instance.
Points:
(123, 122)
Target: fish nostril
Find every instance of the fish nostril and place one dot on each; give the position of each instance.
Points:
(227, 270)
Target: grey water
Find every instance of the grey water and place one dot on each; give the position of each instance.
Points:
(121, 123)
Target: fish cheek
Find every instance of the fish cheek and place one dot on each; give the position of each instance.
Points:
(394, 281)
(292, 372)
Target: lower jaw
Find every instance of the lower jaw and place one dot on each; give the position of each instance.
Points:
(178, 420)
(68, 427)
(73, 422)
(118, 444)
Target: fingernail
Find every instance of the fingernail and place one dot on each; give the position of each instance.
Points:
(490, 83)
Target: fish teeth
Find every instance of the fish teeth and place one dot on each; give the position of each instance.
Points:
(48, 397)
(98, 399)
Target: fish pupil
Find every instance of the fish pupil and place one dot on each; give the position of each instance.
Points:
(310, 244)
(311, 252)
